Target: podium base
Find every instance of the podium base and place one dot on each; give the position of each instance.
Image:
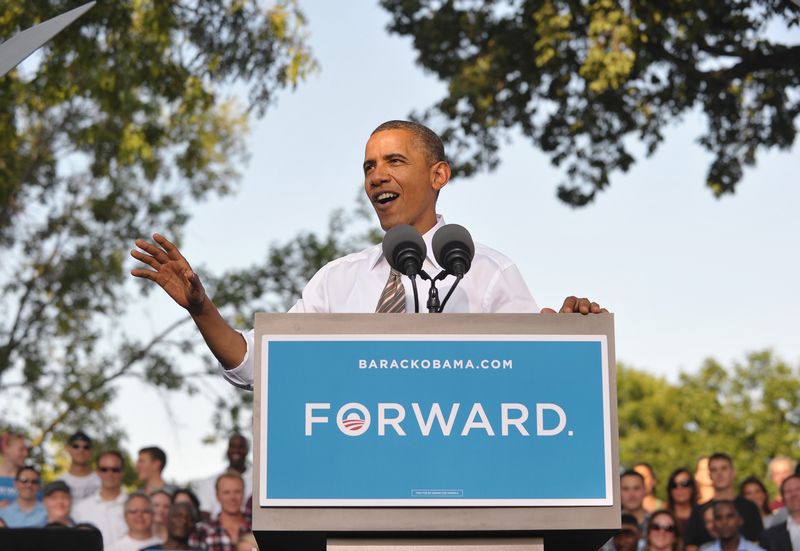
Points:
(493, 544)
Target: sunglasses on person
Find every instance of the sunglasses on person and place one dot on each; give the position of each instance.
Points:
(680, 484)
(662, 527)
(110, 469)
(26, 480)
(80, 446)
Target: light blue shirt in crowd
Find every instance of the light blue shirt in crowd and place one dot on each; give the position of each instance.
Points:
(15, 517)
(744, 545)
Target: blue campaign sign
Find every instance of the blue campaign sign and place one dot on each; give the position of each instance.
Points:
(463, 420)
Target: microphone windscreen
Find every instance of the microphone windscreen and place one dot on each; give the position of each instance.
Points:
(403, 239)
(452, 238)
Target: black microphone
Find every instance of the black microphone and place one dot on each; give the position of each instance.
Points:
(404, 249)
(453, 249)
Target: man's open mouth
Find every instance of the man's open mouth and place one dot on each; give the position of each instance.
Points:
(386, 197)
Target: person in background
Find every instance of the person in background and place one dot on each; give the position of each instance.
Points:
(58, 503)
(727, 524)
(662, 532)
(139, 519)
(222, 533)
(106, 508)
(778, 470)
(149, 466)
(754, 490)
(162, 501)
(651, 502)
(25, 511)
(81, 478)
(237, 452)
(14, 450)
(185, 495)
(785, 536)
(723, 475)
(181, 522)
(628, 538)
(681, 497)
(631, 496)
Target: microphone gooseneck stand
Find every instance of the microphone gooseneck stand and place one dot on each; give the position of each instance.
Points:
(434, 306)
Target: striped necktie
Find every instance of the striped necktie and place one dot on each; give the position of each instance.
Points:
(393, 297)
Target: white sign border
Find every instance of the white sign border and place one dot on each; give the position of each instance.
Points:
(264, 501)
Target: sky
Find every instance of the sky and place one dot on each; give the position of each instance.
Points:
(686, 275)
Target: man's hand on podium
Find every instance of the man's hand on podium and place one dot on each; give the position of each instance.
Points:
(575, 305)
(171, 271)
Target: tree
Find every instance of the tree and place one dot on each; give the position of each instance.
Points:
(113, 129)
(580, 79)
(750, 411)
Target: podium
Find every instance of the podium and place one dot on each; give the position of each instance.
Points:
(434, 432)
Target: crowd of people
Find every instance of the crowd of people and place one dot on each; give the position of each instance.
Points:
(706, 510)
(212, 514)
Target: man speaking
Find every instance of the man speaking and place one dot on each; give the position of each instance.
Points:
(404, 170)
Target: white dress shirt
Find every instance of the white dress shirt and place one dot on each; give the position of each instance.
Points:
(82, 486)
(354, 283)
(107, 516)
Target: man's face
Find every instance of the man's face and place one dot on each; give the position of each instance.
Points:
(722, 474)
(631, 489)
(780, 469)
(139, 515)
(726, 521)
(80, 451)
(58, 505)
(179, 522)
(400, 181)
(230, 493)
(791, 495)
(147, 467)
(627, 539)
(109, 469)
(237, 450)
(27, 484)
(16, 452)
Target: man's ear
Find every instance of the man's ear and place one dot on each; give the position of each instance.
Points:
(440, 175)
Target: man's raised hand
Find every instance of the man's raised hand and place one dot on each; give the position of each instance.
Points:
(171, 271)
(575, 305)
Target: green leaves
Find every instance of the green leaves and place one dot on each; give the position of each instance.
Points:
(108, 133)
(578, 78)
(750, 411)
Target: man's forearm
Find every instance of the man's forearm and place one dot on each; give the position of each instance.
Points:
(227, 344)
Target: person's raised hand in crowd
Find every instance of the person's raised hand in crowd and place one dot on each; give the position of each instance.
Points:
(575, 305)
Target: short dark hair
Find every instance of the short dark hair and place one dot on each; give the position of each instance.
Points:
(788, 478)
(429, 140)
(725, 503)
(157, 454)
(115, 453)
(631, 472)
(192, 496)
(26, 468)
(717, 456)
(80, 435)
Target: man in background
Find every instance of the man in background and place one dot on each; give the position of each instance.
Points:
(58, 503)
(150, 466)
(105, 508)
(727, 524)
(780, 467)
(80, 477)
(139, 519)
(786, 535)
(25, 511)
(237, 453)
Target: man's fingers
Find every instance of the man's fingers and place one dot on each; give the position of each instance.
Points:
(172, 250)
(584, 307)
(595, 308)
(154, 251)
(547, 311)
(569, 305)
(145, 274)
(146, 258)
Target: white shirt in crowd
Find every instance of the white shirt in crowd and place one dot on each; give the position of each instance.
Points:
(206, 491)
(82, 486)
(127, 543)
(353, 284)
(107, 516)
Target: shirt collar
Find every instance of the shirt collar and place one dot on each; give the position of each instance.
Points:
(377, 259)
(790, 523)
